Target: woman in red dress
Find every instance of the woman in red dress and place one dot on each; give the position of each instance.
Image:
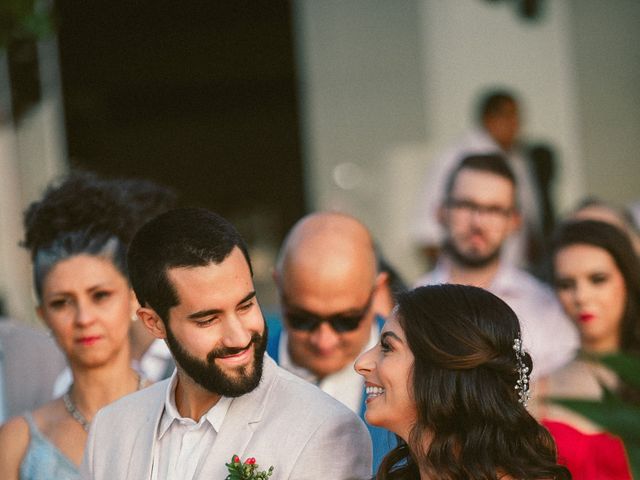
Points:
(597, 280)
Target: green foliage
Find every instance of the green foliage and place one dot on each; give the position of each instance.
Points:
(627, 368)
(24, 19)
(615, 413)
(247, 470)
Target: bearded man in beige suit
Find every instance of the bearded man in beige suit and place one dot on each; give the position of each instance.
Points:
(191, 273)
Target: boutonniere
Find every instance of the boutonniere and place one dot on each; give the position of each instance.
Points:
(247, 470)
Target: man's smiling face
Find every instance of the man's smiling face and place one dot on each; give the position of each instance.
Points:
(217, 333)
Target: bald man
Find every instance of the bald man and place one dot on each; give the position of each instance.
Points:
(332, 299)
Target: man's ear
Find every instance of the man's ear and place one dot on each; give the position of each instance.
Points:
(383, 299)
(382, 280)
(152, 321)
(515, 221)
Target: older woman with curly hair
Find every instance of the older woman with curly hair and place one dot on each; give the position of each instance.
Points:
(78, 235)
(443, 378)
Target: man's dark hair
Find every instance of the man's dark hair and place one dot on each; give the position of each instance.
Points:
(492, 102)
(491, 163)
(187, 237)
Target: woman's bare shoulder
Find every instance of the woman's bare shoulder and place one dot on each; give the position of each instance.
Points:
(14, 440)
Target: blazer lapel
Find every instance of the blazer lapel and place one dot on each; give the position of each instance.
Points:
(241, 421)
(144, 444)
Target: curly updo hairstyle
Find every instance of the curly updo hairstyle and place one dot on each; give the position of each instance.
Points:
(85, 214)
(470, 424)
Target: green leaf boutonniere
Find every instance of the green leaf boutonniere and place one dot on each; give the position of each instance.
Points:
(247, 470)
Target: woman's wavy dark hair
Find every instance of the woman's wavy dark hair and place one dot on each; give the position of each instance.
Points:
(617, 244)
(464, 375)
(84, 213)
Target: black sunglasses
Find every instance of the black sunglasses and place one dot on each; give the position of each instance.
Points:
(341, 322)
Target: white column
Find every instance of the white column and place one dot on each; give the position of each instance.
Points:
(15, 284)
(41, 134)
(31, 155)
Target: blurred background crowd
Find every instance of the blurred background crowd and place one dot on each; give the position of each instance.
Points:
(266, 111)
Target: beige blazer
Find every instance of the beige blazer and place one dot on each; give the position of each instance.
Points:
(285, 422)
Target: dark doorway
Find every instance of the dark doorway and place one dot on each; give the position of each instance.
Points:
(200, 96)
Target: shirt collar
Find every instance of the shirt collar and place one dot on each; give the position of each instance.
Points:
(504, 282)
(214, 416)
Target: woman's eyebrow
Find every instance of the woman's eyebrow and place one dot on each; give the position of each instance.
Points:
(387, 334)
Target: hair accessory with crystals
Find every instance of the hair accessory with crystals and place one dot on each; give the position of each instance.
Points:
(522, 384)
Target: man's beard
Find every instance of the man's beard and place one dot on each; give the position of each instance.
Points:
(470, 261)
(213, 378)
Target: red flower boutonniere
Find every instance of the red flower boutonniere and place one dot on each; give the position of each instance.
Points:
(247, 470)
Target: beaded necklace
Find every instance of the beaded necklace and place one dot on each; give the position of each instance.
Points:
(73, 410)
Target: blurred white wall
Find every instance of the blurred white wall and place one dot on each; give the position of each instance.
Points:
(606, 46)
(470, 45)
(361, 90)
(386, 85)
(14, 276)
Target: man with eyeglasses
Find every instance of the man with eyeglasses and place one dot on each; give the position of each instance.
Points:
(478, 215)
(497, 129)
(332, 297)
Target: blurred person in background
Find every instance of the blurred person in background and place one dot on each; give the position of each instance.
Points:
(334, 297)
(597, 279)
(149, 356)
(30, 361)
(78, 235)
(593, 208)
(394, 285)
(479, 213)
(498, 127)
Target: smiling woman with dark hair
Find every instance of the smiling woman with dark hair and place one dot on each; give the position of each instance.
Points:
(450, 378)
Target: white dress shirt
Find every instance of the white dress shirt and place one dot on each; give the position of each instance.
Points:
(345, 385)
(182, 443)
(547, 334)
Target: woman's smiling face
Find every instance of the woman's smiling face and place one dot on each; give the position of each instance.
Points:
(388, 372)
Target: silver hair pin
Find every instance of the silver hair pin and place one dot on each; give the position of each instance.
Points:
(522, 384)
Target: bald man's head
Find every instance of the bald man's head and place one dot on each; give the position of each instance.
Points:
(327, 277)
(331, 246)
